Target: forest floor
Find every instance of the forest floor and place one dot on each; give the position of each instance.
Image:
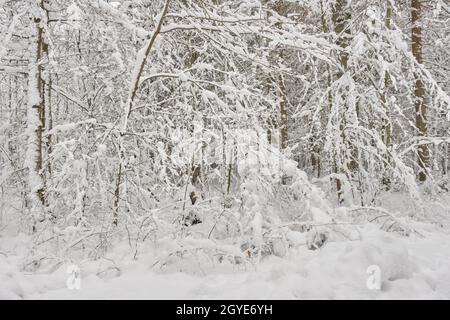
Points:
(414, 267)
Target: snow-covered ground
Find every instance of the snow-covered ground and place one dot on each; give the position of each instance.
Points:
(414, 267)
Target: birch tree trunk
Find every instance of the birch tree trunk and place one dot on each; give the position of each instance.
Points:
(36, 116)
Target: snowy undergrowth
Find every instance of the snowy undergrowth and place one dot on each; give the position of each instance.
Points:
(412, 267)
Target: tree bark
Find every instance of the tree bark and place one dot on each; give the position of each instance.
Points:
(36, 118)
(283, 114)
(387, 123)
(341, 17)
(419, 91)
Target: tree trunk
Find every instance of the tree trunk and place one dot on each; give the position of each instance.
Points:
(420, 92)
(36, 119)
(282, 8)
(341, 17)
(387, 124)
(283, 115)
(134, 88)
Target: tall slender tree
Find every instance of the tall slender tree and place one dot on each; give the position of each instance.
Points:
(420, 91)
(36, 111)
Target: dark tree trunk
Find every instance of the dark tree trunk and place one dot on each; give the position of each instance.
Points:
(420, 92)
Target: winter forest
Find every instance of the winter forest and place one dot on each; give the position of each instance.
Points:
(245, 149)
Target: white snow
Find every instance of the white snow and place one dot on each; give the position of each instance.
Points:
(234, 150)
(411, 268)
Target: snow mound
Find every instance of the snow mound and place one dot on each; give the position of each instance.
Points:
(410, 268)
(10, 288)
